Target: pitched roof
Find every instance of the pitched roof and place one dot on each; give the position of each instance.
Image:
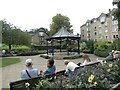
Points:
(62, 33)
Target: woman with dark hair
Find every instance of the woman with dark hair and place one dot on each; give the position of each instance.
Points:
(86, 59)
(51, 68)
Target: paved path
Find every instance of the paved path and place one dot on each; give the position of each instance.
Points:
(12, 72)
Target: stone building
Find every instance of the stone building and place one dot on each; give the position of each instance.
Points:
(38, 36)
(102, 28)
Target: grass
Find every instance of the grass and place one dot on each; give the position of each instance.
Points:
(8, 61)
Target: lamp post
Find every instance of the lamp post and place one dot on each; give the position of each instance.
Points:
(117, 14)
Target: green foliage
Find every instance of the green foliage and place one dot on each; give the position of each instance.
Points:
(102, 49)
(87, 46)
(46, 57)
(8, 61)
(103, 75)
(58, 22)
(42, 84)
(101, 53)
(14, 36)
(116, 44)
(72, 57)
(102, 46)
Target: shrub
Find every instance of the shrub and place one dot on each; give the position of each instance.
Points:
(116, 44)
(46, 57)
(28, 53)
(72, 57)
(101, 53)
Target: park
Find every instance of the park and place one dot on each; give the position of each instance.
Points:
(94, 54)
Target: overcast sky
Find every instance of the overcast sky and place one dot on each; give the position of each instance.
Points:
(29, 14)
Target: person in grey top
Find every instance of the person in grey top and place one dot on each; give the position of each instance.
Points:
(29, 72)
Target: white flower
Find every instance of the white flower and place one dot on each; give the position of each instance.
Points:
(104, 61)
(110, 65)
(101, 62)
(27, 84)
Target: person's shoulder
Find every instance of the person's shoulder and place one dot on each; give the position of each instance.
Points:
(23, 70)
(35, 69)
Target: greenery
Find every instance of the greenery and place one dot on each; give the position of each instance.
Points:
(72, 57)
(101, 53)
(14, 36)
(116, 44)
(46, 57)
(58, 22)
(42, 84)
(87, 46)
(102, 49)
(8, 61)
(103, 75)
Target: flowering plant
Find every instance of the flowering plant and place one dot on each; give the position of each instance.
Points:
(101, 75)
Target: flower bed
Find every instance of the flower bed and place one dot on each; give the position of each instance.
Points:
(102, 75)
(99, 75)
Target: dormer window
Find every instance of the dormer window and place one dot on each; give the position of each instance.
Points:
(87, 24)
(41, 33)
(102, 19)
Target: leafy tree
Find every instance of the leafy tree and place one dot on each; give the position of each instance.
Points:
(58, 22)
(14, 36)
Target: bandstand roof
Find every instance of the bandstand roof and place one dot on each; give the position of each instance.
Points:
(63, 33)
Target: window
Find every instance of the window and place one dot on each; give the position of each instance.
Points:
(102, 19)
(114, 29)
(116, 36)
(95, 27)
(106, 37)
(113, 36)
(41, 33)
(87, 24)
(41, 39)
(106, 31)
(95, 33)
(87, 29)
(114, 22)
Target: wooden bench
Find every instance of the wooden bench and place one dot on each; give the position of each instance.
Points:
(20, 85)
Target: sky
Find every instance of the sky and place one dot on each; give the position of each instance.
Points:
(30, 14)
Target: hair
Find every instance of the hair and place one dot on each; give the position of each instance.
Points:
(86, 57)
(51, 62)
(66, 62)
(29, 64)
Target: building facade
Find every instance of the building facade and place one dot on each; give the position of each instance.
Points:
(102, 28)
(38, 36)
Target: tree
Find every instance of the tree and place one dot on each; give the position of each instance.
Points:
(116, 14)
(58, 22)
(14, 36)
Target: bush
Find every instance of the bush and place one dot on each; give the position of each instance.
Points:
(28, 53)
(86, 51)
(116, 44)
(46, 57)
(72, 57)
(101, 53)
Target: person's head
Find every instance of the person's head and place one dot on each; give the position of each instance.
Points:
(86, 57)
(28, 63)
(66, 62)
(50, 63)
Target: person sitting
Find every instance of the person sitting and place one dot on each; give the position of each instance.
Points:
(30, 72)
(51, 68)
(70, 67)
(86, 59)
(116, 55)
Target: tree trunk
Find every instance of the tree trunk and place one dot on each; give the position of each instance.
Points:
(9, 50)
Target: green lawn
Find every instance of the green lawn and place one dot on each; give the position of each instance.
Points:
(8, 61)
